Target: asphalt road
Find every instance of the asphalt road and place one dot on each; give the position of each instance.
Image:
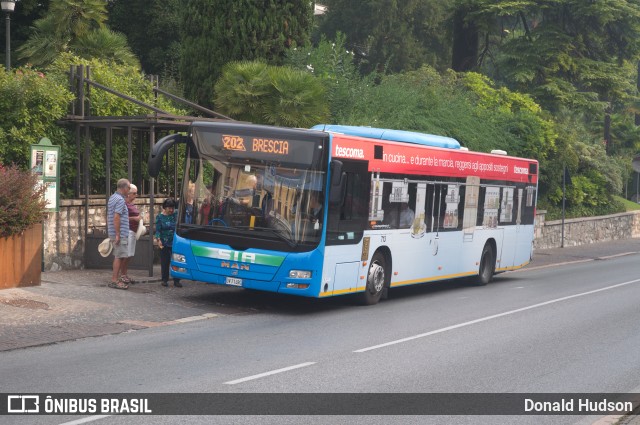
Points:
(565, 329)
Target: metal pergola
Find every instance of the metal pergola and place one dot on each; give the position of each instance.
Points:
(138, 128)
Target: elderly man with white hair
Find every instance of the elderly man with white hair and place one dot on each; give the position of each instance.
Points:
(118, 231)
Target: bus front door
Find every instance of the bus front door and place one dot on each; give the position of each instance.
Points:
(346, 222)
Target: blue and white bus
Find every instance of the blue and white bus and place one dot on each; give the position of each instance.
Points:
(345, 210)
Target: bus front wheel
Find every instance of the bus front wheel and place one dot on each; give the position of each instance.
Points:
(376, 279)
(487, 265)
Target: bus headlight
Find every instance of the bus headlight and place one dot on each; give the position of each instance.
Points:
(300, 274)
(179, 258)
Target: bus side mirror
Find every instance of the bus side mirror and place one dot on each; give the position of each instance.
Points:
(159, 149)
(338, 181)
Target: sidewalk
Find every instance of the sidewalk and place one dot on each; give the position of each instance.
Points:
(77, 304)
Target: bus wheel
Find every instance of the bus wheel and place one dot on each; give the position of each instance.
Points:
(376, 279)
(487, 265)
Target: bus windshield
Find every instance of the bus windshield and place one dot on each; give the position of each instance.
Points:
(235, 198)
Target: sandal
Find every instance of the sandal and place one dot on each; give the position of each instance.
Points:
(118, 285)
(126, 279)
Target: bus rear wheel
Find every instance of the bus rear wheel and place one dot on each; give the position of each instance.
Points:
(487, 265)
(376, 280)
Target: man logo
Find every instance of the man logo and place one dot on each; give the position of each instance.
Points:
(23, 404)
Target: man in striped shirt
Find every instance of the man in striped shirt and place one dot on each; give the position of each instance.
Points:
(118, 230)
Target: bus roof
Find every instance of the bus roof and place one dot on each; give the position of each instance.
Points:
(392, 135)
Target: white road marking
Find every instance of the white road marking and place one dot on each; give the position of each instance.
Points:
(273, 372)
(495, 316)
(85, 420)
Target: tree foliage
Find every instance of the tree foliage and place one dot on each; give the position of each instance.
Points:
(566, 53)
(335, 66)
(157, 42)
(215, 32)
(464, 106)
(30, 104)
(396, 35)
(276, 95)
(77, 26)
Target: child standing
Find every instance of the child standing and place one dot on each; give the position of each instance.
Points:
(163, 237)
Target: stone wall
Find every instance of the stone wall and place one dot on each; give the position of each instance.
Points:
(64, 242)
(582, 231)
(64, 231)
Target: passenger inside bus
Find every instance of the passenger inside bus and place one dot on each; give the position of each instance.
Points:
(398, 215)
(208, 209)
(406, 215)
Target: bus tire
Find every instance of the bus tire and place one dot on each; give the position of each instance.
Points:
(376, 280)
(487, 265)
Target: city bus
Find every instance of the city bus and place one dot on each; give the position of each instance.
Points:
(337, 210)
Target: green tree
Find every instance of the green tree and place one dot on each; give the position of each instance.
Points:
(466, 34)
(396, 35)
(76, 26)
(215, 32)
(275, 95)
(107, 45)
(157, 42)
(566, 53)
(577, 59)
(335, 66)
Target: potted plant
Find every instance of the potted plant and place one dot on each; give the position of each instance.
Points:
(22, 208)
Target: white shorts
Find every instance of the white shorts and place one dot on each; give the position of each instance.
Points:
(122, 249)
(132, 243)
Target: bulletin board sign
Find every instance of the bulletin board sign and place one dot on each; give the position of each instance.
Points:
(45, 163)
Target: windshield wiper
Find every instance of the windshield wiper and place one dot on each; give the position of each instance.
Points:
(189, 228)
(275, 232)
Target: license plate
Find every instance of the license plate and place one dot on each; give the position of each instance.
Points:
(234, 281)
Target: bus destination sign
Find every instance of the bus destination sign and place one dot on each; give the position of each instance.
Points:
(268, 146)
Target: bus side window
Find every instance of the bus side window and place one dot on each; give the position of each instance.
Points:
(481, 196)
(353, 207)
(390, 209)
(346, 222)
(441, 206)
(463, 191)
(429, 207)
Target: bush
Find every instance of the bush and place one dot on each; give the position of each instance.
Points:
(31, 103)
(22, 201)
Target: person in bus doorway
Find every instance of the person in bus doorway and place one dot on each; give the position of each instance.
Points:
(189, 206)
(163, 237)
